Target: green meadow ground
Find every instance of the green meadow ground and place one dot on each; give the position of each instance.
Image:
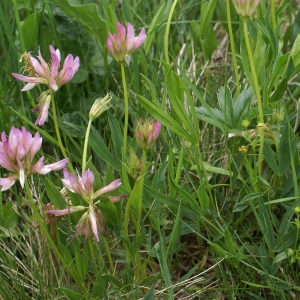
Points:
(213, 207)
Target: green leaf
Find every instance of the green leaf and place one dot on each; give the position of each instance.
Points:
(70, 292)
(108, 210)
(203, 199)
(8, 217)
(176, 96)
(204, 103)
(279, 67)
(226, 105)
(126, 11)
(54, 195)
(73, 124)
(87, 15)
(164, 118)
(100, 285)
(158, 18)
(116, 136)
(150, 294)
(103, 152)
(241, 106)
(269, 156)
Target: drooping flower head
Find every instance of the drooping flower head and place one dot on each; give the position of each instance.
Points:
(39, 72)
(146, 133)
(92, 219)
(17, 153)
(245, 8)
(123, 43)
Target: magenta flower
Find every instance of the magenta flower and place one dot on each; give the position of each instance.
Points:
(92, 219)
(146, 133)
(245, 8)
(122, 44)
(16, 155)
(39, 72)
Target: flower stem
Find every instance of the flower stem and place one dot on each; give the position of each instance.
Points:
(111, 265)
(166, 38)
(125, 179)
(86, 141)
(49, 239)
(273, 17)
(232, 48)
(258, 97)
(62, 148)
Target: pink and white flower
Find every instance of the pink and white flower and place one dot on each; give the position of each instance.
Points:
(92, 219)
(123, 43)
(42, 73)
(16, 156)
(39, 72)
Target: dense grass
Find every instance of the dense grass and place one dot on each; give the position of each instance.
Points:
(207, 216)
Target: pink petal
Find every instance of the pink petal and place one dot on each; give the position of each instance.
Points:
(43, 63)
(66, 211)
(36, 168)
(28, 87)
(38, 68)
(7, 182)
(68, 75)
(54, 167)
(156, 129)
(35, 80)
(112, 186)
(139, 41)
(43, 116)
(117, 198)
(36, 145)
(88, 179)
(130, 38)
(121, 33)
(94, 223)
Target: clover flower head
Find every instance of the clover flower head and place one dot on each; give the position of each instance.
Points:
(39, 72)
(123, 43)
(16, 156)
(92, 220)
(147, 132)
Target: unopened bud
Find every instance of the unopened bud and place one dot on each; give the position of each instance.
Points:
(100, 105)
(245, 123)
(245, 8)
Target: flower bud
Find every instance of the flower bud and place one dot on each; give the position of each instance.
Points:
(146, 133)
(100, 105)
(245, 8)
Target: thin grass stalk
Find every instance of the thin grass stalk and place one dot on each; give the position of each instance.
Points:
(167, 32)
(236, 72)
(62, 148)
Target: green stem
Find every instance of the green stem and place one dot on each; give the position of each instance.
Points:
(179, 165)
(62, 148)
(86, 141)
(111, 265)
(273, 16)
(258, 97)
(49, 239)
(125, 179)
(166, 38)
(232, 48)
(140, 203)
